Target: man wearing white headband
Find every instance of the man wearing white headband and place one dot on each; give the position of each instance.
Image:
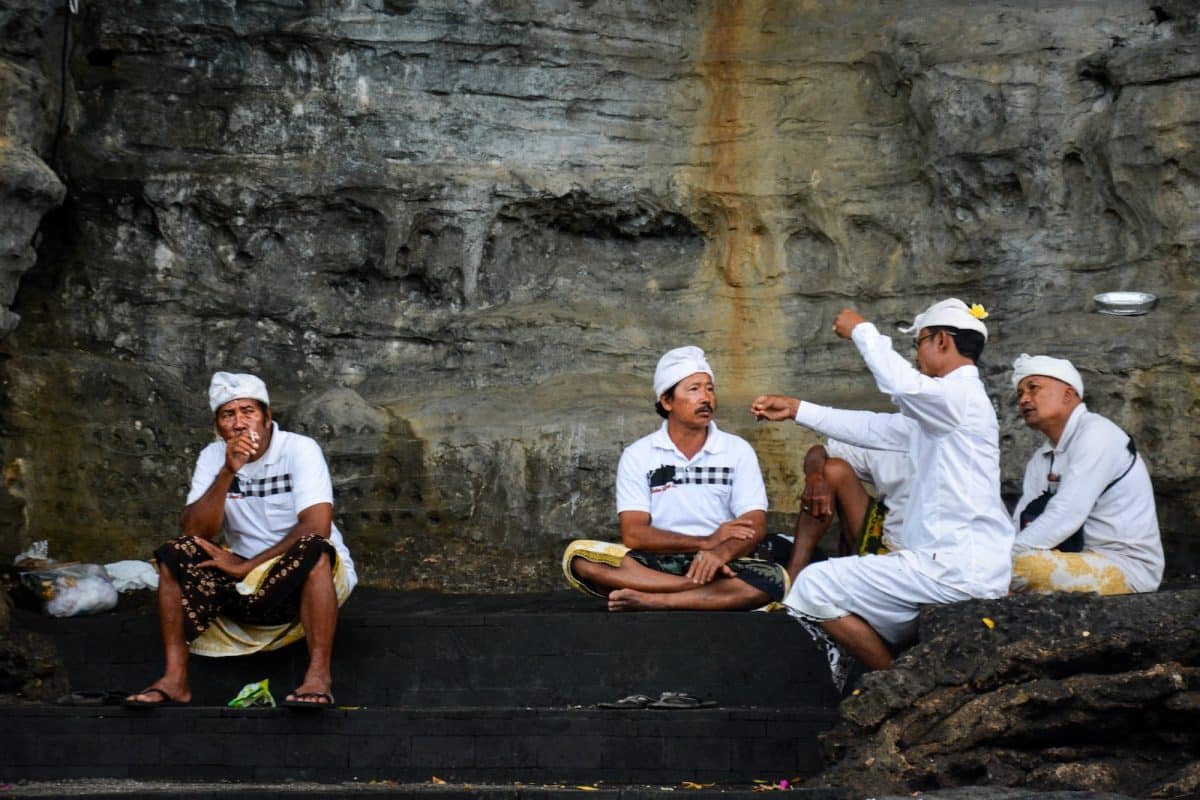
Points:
(956, 533)
(1086, 520)
(692, 509)
(286, 571)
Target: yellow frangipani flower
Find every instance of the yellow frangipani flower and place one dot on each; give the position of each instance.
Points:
(978, 311)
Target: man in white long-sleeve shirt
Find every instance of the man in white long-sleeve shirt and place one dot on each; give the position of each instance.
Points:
(956, 533)
(1087, 478)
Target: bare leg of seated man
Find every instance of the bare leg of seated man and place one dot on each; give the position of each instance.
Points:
(850, 500)
(174, 681)
(860, 640)
(633, 586)
(723, 594)
(318, 614)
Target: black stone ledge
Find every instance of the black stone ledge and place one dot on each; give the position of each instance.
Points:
(725, 746)
(432, 650)
(137, 789)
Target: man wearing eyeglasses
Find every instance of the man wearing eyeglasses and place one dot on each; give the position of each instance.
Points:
(1086, 520)
(956, 531)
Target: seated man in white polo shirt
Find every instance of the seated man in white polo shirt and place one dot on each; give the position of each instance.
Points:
(692, 508)
(287, 569)
(1086, 483)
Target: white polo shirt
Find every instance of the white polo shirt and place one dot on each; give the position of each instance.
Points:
(265, 500)
(1121, 523)
(690, 496)
(890, 472)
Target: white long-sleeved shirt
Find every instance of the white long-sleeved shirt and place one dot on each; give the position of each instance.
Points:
(956, 529)
(1120, 523)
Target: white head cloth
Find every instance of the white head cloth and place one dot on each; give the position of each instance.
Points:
(1059, 368)
(677, 364)
(228, 386)
(952, 313)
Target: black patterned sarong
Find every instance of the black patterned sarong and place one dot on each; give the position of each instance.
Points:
(209, 592)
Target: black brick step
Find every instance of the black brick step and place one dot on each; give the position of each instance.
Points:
(136, 790)
(468, 745)
(430, 651)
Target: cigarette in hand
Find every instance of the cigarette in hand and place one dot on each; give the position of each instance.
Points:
(253, 437)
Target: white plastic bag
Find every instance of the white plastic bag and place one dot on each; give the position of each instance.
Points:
(81, 589)
(127, 576)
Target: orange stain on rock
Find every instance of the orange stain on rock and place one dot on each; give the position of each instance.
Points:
(732, 185)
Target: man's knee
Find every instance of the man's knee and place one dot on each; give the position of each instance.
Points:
(586, 568)
(837, 472)
(322, 569)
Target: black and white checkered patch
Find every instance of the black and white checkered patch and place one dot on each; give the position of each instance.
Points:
(265, 487)
(705, 475)
(691, 475)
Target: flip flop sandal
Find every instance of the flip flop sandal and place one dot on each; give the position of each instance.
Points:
(318, 700)
(166, 700)
(632, 701)
(90, 698)
(678, 700)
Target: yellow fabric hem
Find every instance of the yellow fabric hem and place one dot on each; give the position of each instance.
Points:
(597, 552)
(225, 637)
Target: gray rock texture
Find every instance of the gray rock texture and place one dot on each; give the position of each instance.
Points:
(1067, 692)
(28, 187)
(455, 236)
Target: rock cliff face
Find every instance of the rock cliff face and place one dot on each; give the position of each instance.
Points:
(28, 187)
(454, 237)
(1065, 692)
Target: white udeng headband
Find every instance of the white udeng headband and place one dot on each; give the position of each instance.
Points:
(1058, 368)
(677, 364)
(226, 386)
(952, 313)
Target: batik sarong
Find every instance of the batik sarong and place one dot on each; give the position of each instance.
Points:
(224, 616)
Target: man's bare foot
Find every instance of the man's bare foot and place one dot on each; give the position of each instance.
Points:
(163, 691)
(633, 600)
(314, 691)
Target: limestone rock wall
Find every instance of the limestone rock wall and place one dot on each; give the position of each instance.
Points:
(455, 236)
(28, 187)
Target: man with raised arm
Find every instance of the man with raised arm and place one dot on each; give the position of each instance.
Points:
(692, 509)
(956, 533)
(286, 571)
(1085, 485)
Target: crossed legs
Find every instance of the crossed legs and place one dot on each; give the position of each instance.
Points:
(635, 587)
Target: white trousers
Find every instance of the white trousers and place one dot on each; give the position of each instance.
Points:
(887, 591)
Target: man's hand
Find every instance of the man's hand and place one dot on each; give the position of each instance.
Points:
(774, 407)
(733, 529)
(847, 320)
(240, 449)
(817, 500)
(706, 566)
(222, 559)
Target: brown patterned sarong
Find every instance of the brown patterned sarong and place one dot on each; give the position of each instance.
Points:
(208, 592)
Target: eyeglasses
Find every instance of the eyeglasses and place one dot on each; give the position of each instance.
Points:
(917, 341)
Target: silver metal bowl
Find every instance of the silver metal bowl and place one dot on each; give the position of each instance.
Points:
(1124, 304)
